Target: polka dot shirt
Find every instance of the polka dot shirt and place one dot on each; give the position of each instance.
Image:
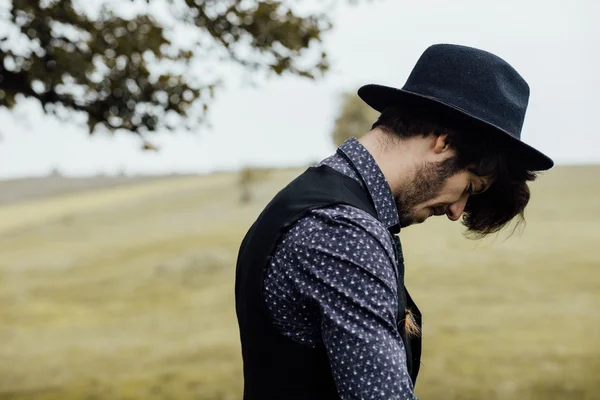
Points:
(333, 281)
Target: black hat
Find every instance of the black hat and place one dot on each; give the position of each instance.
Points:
(471, 84)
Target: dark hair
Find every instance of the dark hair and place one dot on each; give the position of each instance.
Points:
(484, 153)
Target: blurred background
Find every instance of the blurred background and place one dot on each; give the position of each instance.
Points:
(140, 139)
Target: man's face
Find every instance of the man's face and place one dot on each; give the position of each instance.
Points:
(437, 189)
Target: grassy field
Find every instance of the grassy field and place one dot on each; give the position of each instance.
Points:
(127, 293)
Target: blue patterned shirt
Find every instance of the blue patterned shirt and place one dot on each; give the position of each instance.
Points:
(333, 281)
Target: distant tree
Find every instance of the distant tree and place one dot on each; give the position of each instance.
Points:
(248, 178)
(126, 73)
(245, 182)
(355, 118)
(55, 173)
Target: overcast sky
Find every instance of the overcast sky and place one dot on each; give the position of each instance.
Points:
(554, 44)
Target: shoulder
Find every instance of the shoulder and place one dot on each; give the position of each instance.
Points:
(344, 232)
(344, 221)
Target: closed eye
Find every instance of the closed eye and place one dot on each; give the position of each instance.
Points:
(481, 190)
(472, 192)
(483, 187)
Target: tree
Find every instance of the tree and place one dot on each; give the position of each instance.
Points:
(129, 73)
(354, 119)
(248, 178)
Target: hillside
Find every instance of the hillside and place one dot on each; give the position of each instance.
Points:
(26, 189)
(127, 293)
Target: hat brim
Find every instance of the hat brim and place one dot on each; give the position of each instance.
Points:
(380, 97)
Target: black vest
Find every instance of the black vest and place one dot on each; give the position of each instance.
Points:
(275, 367)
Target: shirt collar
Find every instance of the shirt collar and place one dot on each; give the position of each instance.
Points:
(373, 179)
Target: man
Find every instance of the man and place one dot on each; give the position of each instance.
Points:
(320, 296)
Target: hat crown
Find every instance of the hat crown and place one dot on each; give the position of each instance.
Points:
(473, 80)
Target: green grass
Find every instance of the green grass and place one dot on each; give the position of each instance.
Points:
(127, 293)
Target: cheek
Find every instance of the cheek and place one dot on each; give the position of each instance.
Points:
(454, 189)
(443, 198)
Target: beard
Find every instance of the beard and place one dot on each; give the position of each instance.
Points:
(427, 183)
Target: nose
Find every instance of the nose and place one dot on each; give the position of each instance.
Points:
(457, 208)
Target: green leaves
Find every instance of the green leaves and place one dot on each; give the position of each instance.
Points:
(126, 73)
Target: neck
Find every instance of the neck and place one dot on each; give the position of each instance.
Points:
(396, 158)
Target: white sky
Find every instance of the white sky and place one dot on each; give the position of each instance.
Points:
(554, 44)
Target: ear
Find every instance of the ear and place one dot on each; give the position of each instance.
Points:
(440, 144)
